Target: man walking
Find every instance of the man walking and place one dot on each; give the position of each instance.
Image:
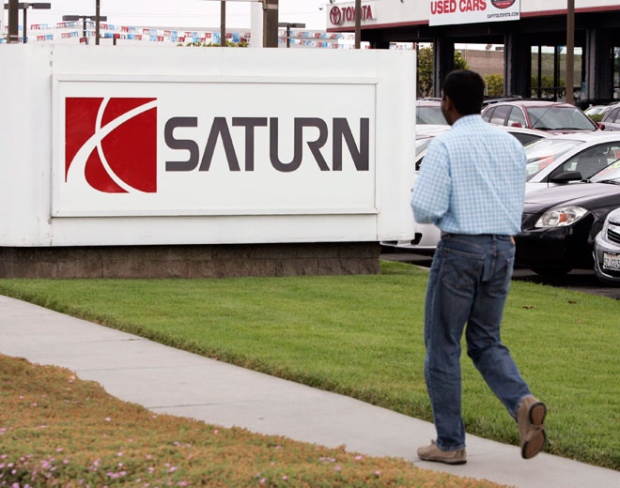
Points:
(472, 186)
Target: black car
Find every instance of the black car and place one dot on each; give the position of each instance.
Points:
(560, 223)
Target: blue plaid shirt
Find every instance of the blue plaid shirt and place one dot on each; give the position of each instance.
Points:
(472, 180)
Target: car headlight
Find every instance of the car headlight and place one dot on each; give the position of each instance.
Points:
(604, 230)
(561, 217)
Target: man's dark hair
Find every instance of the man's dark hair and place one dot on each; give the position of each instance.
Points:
(466, 90)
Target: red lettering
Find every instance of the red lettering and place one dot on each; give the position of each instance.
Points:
(367, 12)
(443, 7)
(472, 5)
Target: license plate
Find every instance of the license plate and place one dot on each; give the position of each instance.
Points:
(611, 261)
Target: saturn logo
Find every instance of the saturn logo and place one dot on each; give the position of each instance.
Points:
(502, 3)
(111, 144)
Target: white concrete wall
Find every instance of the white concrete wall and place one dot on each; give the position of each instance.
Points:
(48, 197)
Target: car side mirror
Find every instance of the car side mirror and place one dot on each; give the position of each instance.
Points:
(516, 124)
(566, 177)
(601, 125)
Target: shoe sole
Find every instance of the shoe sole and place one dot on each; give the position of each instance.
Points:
(533, 446)
(444, 461)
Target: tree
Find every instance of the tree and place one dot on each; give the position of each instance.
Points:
(547, 88)
(494, 84)
(426, 69)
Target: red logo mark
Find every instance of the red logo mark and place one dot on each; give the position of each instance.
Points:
(335, 15)
(111, 144)
(502, 3)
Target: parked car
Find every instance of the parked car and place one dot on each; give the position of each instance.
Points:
(560, 223)
(594, 110)
(607, 250)
(526, 136)
(611, 117)
(427, 235)
(428, 111)
(493, 100)
(539, 114)
(569, 158)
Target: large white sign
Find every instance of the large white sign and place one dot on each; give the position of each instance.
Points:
(115, 145)
(444, 12)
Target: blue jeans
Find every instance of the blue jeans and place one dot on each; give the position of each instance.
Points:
(468, 284)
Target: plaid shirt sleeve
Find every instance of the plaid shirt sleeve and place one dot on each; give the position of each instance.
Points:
(431, 193)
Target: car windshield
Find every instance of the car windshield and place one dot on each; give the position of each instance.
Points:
(559, 118)
(542, 153)
(430, 115)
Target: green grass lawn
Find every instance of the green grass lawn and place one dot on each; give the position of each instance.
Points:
(362, 336)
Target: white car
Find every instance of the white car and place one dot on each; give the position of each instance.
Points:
(569, 158)
(606, 251)
(427, 235)
(611, 117)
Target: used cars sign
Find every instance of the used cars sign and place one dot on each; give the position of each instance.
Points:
(444, 12)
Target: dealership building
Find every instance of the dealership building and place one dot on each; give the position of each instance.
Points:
(525, 28)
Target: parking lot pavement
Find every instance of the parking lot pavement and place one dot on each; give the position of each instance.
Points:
(582, 280)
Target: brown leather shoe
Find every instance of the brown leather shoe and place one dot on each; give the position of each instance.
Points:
(433, 453)
(530, 419)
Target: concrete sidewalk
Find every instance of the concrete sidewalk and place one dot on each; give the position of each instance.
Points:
(170, 381)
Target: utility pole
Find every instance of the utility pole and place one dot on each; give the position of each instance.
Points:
(13, 22)
(223, 23)
(97, 21)
(358, 23)
(270, 23)
(14, 7)
(570, 50)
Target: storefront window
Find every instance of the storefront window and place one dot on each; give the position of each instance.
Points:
(549, 72)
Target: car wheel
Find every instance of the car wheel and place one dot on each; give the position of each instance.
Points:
(544, 271)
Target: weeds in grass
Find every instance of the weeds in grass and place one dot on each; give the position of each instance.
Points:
(56, 430)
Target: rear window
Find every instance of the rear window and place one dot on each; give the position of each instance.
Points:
(559, 118)
(430, 115)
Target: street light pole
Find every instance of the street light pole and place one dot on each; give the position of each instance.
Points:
(570, 48)
(222, 23)
(25, 23)
(358, 23)
(14, 6)
(84, 18)
(289, 25)
(97, 21)
(270, 23)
